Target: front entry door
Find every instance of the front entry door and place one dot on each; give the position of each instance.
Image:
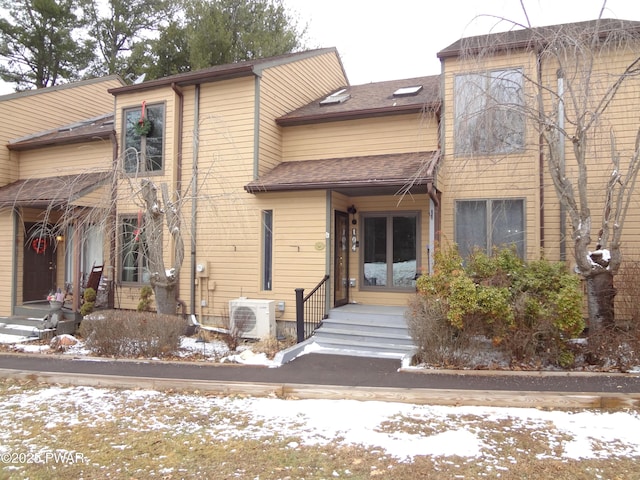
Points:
(39, 264)
(341, 260)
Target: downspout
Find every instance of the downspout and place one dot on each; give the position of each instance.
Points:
(180, 96)
(194, 194)
(256, 130)
(561, 162)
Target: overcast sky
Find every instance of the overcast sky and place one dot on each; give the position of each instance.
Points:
(396, 39)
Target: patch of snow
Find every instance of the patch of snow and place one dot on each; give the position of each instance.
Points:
(372, 424)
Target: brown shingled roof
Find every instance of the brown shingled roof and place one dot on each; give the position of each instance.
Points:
(371, 174)
(50, 191)
(370, 100)
(527, 38)
(97, 128)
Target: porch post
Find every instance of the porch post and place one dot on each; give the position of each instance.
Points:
(77, 282)
(300, 315)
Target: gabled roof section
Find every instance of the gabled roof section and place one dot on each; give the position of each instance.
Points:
(389, 173)
(224, 72)
(536, 37)
(50, 191)
(97, 128)
(370, 100)
(63, 86)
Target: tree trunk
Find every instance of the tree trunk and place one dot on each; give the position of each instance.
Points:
(166, 301)
(600, 297)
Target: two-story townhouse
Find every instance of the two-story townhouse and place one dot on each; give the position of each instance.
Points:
(54, 141)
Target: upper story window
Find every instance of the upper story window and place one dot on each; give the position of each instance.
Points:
(489, 114)
(143, 147)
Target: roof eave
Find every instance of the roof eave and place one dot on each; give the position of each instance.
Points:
(35, 144)
(290, 187)
(187, 79)
(354, 114)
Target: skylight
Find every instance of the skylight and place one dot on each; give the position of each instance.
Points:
(338, 97)
(407, 91)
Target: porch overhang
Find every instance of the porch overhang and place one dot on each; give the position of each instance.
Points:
(391, 174)
(51, 191)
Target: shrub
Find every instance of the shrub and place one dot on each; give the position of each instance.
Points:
(527, 309)
(145, 298)
(122, 333)
(439, 342)
(89, 297)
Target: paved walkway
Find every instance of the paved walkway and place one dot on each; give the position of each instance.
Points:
(337, 376)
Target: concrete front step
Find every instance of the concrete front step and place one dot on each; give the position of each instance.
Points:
(399, 338)
(365, 330)
(18, 328)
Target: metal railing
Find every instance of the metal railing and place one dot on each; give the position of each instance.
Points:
(310, 310)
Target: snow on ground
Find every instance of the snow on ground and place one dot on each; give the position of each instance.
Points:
(570, 435)
(190, 347)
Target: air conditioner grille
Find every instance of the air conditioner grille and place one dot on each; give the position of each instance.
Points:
(244, 319)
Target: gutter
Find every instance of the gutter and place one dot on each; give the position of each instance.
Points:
(353, 115)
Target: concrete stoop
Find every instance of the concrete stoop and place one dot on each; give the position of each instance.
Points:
(359, 330)
(32, 322)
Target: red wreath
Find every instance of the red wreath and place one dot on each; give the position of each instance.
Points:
(39, 245)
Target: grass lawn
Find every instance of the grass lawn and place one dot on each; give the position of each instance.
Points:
(50, 432)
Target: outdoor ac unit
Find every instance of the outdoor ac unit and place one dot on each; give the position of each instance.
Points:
(253, 318)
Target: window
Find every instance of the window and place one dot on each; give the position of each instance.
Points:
(134, 257)
(487, 224)
(267, 249)
(489, 116)
(143, 153)
(390, 250)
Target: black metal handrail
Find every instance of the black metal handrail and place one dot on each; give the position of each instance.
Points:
(310, 310)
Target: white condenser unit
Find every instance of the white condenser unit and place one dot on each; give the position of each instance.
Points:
(253, 318)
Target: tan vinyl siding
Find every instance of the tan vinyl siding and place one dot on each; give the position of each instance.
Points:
(290, 86)
(36, 111)
(372, 136)
(495, 176)
(71, 159)
(233, 251)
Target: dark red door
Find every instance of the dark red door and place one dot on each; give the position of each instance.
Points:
(39, 271)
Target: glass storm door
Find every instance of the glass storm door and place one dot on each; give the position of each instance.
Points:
(341, 260)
